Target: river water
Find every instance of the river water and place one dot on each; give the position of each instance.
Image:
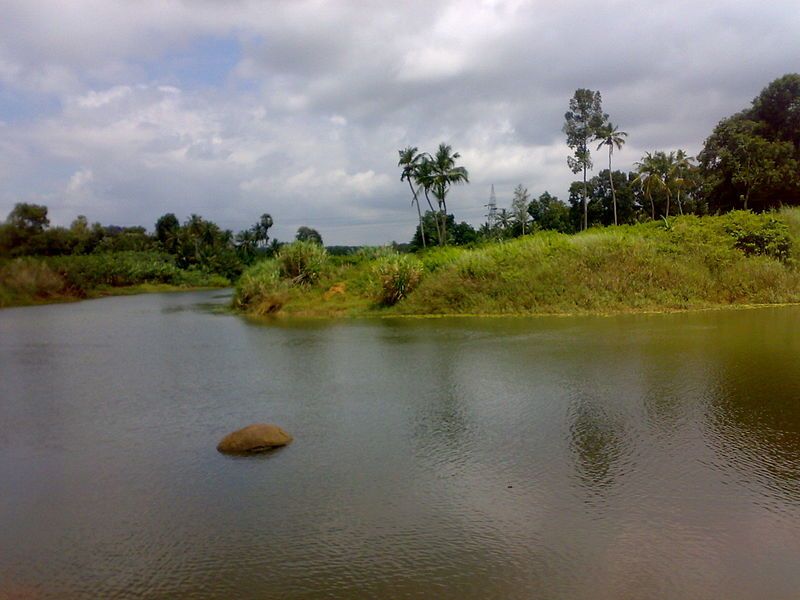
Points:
(650, 456)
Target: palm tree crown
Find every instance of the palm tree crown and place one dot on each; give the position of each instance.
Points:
(436, 174)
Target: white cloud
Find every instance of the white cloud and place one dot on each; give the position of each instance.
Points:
(306, 118)
(79, 181)
(97, 99)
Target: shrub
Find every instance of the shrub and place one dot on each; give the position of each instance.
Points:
(85, 272)
(367, 253)
(762, 234)
(29, 278)
(436, 258)
(261, 280)
(302, 262)
(397, 276)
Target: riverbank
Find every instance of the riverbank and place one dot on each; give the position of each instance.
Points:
(31, 281)
(684, 263)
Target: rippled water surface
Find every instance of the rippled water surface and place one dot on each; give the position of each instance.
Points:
(603, 458)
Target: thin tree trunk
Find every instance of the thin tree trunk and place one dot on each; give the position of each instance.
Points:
(680, 206)
(668, 195)
(435, 215)
(444, 222)
(611, 182)
(652, 207)
(585, 203)
(419, 212)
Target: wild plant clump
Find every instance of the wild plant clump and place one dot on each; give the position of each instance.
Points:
(30, 277)
(258, 281)
(397, 275)
(117, 269)
(367, 253)
(759, 234)
(302, 262)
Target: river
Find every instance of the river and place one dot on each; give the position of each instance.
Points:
(635, 456)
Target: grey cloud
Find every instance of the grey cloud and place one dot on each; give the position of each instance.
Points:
(309, 123)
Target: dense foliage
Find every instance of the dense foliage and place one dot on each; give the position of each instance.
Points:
(677, 263)
(41, 262)
(27, 280)
(752, 159)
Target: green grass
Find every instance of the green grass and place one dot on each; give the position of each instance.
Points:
(685, 263)
(29, 280)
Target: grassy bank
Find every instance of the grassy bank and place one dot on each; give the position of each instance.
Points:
(684, 263)
(25, 281)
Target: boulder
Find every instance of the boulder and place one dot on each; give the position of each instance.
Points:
(254, 438)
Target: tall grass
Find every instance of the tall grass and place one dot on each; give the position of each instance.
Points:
(397, 276)
(688, 262)
(30, 280)
(302, 262)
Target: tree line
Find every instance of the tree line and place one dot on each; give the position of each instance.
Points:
(197, 243)
(750, 161)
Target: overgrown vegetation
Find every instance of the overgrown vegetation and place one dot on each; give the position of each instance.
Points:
(750, 161)
(519, 260)
(40, 263)
(32, 280)
(397, 276)
(680, 263)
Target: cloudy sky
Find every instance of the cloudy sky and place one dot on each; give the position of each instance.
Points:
(126, 110)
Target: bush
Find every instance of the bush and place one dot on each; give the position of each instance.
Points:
(759, 234)
(302, 262)
(436, 258)
(397, 276)
(115, 269)
(28, 278)
(261, 280)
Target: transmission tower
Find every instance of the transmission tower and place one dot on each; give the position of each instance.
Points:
(491, 215)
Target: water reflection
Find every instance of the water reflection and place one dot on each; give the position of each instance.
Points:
(754, 409)
(451, 458)
(598, 441)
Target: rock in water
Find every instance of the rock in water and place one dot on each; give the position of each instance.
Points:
(254, 438)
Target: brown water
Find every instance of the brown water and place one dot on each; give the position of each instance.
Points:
(597, 458)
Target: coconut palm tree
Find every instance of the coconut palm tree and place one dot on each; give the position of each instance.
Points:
(437, 174)
(611, 136)
(649, 178)
(410, 161)
(261, 230)
(682, 167)
(424, 180)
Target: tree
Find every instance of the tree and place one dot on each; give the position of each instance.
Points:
(29, 218)
(611, 136)
(519, 206)
(778, 108)
(656, 173)
(306, 234)
(752, 158)
(582, 121)
(247, 245)
(261, 230)
(458, 234)
(504, 221)
(603, 208)
(410, 161)
(24, 231)
(202, 244)
(548, 212)
(741, 165)
(682, 174)
(167, 228)
(436, 175)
